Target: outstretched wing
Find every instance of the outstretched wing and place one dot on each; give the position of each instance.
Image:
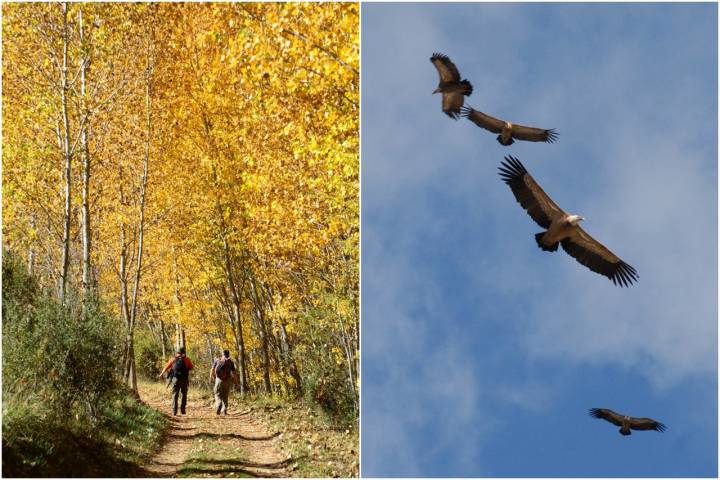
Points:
(483, 120)
(528, 193)
(446, 68)
(595, 256)
(532, 134)
(646, 424)
(452, 103)
(606, 414)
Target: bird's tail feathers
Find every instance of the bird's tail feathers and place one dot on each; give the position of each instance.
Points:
(508, 143)
(468, 87)
(625, 432)
(550, 248)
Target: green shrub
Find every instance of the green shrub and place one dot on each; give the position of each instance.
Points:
(68, 353)
(64, 410)
(147, 356)
(325, 379)
(18, 288)
(328, 388)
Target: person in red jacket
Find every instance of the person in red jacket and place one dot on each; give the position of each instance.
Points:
(180, 365)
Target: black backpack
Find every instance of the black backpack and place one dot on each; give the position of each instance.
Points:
(179, 369)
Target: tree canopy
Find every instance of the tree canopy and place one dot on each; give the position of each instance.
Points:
(205, 159)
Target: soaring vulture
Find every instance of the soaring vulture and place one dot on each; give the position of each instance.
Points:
(508, 130)
(450, 85)
(626, 422)
(561, 227)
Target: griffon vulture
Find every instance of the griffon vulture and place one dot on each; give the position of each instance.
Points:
(450, 85)
(627, 423)
(561, 227)
(508, 130)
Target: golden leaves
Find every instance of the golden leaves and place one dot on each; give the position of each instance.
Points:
(254, 150)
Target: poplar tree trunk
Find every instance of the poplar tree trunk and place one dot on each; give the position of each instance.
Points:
(179, 337)
(163, 338)
(124, 309)
(229, 272)
(260, 317)
(86, 267)
(232, 317)
(290, 359)
(240, 346)
(211, 357)
(236, 312)
(349, 359)
(67, 153)
(131, 374)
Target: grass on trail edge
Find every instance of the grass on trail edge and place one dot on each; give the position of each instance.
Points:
(37, 444)
(318, 445)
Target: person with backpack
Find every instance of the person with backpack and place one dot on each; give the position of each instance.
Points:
(178, 369)
(223, 372)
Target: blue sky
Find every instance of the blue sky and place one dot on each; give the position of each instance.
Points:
(480, 353)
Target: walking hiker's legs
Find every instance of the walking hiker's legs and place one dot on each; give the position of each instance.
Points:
(184, 388)
(217, 389)
(224, 394)
(176, 391)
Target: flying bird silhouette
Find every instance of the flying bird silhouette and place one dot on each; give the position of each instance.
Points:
(561, 227)
(626, 422)
(508, 130)
(452, 88)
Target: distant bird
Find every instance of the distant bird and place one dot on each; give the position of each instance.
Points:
(561, 227)
(508, 130)
(452, 88)
(625, 422)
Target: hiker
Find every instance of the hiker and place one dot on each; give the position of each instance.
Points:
(179, 372)
(223, 372)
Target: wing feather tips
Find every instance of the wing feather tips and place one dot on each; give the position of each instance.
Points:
(551, 136)
(660, 427)
(625, 274)
(511, 169)
(595, 413)
(451, 114)
(439, 56)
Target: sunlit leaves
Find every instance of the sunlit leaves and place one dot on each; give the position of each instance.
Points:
(254, 157)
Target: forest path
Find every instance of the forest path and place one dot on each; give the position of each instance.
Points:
(203, 444)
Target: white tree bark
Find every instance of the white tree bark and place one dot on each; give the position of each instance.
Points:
(131, 374)
(86, 267)
(67, 153)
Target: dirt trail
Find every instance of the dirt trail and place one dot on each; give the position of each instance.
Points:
(202, 443)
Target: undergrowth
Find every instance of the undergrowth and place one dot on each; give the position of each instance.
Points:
(64, 412)
(320, 444)
(37, 443)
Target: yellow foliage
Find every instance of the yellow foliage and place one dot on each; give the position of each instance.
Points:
(253, 167)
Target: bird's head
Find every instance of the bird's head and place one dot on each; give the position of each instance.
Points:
(437, 90)
(575, 219)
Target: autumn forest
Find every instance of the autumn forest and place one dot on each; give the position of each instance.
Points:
(178, 175)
